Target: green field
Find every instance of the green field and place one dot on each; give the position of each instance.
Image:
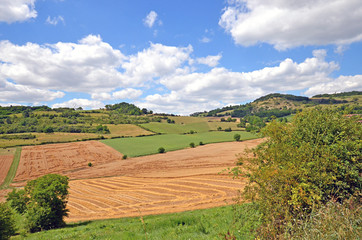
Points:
(141, 146)
(212, 223)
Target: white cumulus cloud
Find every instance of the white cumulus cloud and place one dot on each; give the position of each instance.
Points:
(210, 60)
(291, 23)
(17, 10)
(80, 102)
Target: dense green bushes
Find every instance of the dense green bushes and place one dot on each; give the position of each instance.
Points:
(42, 202)
(302, 166)
(7, 223)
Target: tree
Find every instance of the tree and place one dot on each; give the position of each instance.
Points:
(302, 166)
(45, 200)
(192, 144)
(161, 150)
(237, 137)
(7, 223)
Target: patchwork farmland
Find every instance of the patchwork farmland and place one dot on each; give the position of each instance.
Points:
(176, 181)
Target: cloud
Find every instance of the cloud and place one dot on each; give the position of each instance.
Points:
(87, 66)
(287, 24)
(80, 102)
(196, 91)
(20, 93)
(55, 20)
(205, 40)
(17, 10)
(341, 84)
(156, 61)
(128, 93)
(150, 19)
(211, 61)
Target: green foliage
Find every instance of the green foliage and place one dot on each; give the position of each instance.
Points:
(192, 144)
(90, 164)
(124, 157)
(7, 222)
(18, 200)
(127, 108)
(342, 94)
(303, 165)
(43, 202)
(237, 137)
(161, 150)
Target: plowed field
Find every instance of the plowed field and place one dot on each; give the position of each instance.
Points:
(5, 163)
(62, 158)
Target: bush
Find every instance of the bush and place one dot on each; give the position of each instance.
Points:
(124, 157)
(227, 129)
(90, 164)
(237, 137)
(161, 150)
(192, 144)
(7, 223)
(201, 143)
(302, 166)
(44, 200)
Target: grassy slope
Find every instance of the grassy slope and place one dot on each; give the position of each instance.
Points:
(211, 223)
(12, 171)
(149, 145)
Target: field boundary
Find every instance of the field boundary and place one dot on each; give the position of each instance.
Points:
(13, 168)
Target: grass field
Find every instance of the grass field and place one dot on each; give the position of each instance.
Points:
(214, 223)
(12, 171)
(149, 145)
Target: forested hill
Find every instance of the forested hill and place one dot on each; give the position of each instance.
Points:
(280, 105)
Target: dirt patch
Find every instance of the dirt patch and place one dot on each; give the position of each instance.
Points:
(5, 164)
(62, 158)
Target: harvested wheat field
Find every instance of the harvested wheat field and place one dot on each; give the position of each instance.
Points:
(117, 197)
(173, 182)
(62, 158)
(5, 164)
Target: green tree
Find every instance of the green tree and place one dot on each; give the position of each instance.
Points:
(237, 137)
(302, 166)
(44, 200)
(7, 223)
(192, 144)
(161, 150)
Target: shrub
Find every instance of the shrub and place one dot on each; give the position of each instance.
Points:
(237, 137)
(7, 223)
(201, 143)
(302, 166)
(124, 157)
(192, 144)
(161, 150)
(227, 129)
(90, 164)
(45, 200)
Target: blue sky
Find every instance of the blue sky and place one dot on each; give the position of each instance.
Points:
(177, 56)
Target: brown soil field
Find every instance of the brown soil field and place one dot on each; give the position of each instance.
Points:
(5, 164)
(62, 158)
